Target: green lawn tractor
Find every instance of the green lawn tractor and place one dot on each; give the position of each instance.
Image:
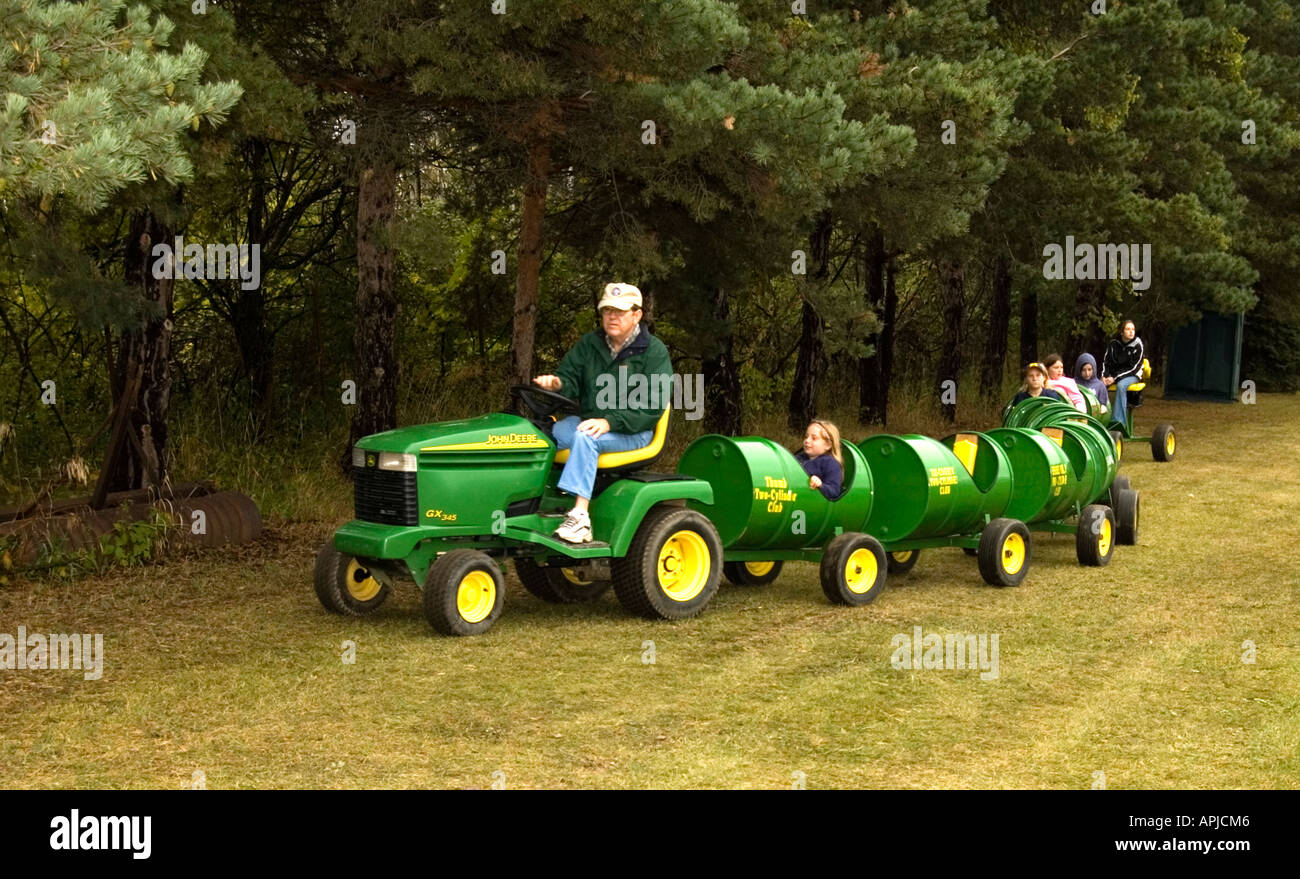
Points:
(447, 505)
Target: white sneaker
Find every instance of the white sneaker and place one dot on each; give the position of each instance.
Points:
(576, 527)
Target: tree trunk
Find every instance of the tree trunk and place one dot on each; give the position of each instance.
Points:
(872, 376)
(1086, 333)
(530, 262)
(888, 321)
(722, 404)
(810, 363)
(1028, 328)
(954, 307)
(995, 347)
(248, 312)
(141, 460)
(376, 305)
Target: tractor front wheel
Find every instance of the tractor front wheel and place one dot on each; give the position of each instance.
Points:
(464, 593)
(345, 585)
(673, 567)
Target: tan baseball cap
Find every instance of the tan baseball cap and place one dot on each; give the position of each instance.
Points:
(620, 296)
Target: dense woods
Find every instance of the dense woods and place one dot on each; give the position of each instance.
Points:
(388, 211)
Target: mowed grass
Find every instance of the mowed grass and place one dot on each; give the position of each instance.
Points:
(224, 663)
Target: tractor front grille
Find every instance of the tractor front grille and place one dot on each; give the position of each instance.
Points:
(385, 496)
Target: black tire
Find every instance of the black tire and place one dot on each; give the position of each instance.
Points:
(1127, 509)
(969, 551)
(1094, 536)
(673, 566)
(1004, 552)
(1117, 484)
(464, 593)
(344, 585)
(1162, 443)
(1118, 437)
(558, 585)
(902, 561)
(742, 573)
(853, 569)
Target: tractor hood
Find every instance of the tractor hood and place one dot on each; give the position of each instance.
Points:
(497, 431)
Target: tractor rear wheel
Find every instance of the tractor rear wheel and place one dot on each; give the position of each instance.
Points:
(464, 593)
(751, 573)
(853, 569)
(673, 566)
(345, 585)
(1004, 552)
(1094, 536)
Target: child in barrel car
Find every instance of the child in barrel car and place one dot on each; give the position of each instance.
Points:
(822, 458)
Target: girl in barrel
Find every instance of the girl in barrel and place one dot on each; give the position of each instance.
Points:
(1036, 384)
(821, 458)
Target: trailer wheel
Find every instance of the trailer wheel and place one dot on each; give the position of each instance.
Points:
(558, 585)
(464, 593)
(1118, 437)
(344, 585)
(673, 566)
(1117, 484)
(751, 573)
(1162, 443)
(1126, 516)
(1004, 552)
(902, 561)
(1094, 536)
(853, 569)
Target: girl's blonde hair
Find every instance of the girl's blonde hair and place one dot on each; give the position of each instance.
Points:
(1037, 367)
(834, 433)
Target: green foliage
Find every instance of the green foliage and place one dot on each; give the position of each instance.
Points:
(93, 101)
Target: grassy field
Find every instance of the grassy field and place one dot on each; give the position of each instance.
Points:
(225, 664)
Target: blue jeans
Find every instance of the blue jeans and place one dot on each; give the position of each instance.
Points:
(1121, 397)
(579, 474)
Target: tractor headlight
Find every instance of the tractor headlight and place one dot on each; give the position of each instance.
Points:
(358, 457)
(403, 461)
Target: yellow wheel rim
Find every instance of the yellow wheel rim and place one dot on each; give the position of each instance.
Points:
(758, 569)
(1169, 444)
(1119, 449)
(1103, 539)
(362, 585)
(902, 557)
(860, 571)
(476, 596)
(683, 565)
(1013, 553)
(574, 577)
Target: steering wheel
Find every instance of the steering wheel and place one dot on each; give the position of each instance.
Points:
(542, 402)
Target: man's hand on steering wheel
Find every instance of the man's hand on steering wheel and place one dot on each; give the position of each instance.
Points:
(548, 382)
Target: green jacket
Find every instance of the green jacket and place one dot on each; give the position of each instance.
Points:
(630, 391)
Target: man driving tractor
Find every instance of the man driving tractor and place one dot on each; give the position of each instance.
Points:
(620, 344)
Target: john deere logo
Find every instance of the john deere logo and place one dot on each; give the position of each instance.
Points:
(371, 460)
